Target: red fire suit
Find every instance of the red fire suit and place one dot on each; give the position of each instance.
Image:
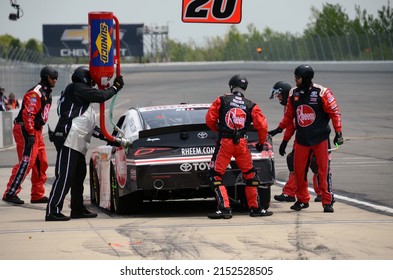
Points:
(31, 118)
(290, 186)
(229, 115)
(312, 111)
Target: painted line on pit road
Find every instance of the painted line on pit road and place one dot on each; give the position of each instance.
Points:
(351, 200)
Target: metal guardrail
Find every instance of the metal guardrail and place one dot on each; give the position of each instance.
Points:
(18, 77)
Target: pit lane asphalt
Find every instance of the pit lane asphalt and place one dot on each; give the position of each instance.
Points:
(181, 230)
(362, 168)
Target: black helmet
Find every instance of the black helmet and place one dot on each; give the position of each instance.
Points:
(82, 74)
(238, 81)
(46, 72)
(306, 72)
(281, 88)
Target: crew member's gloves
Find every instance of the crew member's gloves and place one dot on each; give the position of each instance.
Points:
(113, 143)
(118, 83)
(338, 139)
(274, 131)
(282, 148)
(30, 141)
(51, 134)
(97, 133)
(261, 147)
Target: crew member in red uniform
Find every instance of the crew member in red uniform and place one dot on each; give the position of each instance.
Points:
(281, 91)
(312, 106)
(229, 115)
(30, 144)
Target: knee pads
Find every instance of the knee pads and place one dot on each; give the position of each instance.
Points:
(215, 181)
(254, 182)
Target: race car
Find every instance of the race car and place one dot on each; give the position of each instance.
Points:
(169, 158)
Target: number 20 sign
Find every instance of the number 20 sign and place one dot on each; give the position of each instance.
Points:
(212, 11)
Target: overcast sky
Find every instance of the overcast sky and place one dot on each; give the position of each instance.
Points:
(279, 15)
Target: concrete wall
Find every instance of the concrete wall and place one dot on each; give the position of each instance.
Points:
(372, 66)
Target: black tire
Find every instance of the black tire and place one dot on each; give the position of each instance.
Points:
(128, 204)
(115, 199)
(94, 185)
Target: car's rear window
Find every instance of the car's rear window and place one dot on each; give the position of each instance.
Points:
(173, 116)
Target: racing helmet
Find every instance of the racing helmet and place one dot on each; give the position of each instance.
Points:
(281, 88)
(46, 72)
(306, 72)
(238, 81)
(82, 74)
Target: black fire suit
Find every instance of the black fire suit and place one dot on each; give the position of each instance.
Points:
(70, 169)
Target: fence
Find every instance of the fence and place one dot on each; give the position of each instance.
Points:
(18, 77)
(340, 47)
(19, 69)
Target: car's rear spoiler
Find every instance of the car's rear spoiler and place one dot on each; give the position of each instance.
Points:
(178, 129)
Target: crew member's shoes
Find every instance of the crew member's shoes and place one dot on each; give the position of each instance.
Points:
(255, 212)
(56, 217)
(318, 198)
(299, 206)
(84, 213)
(221, 214)
(13, 199)
(43, 199)
(328, 208)
(284, 197)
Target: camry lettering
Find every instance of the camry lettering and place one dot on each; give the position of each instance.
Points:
(152, 139)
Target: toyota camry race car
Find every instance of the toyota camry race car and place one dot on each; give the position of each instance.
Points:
(168, 159)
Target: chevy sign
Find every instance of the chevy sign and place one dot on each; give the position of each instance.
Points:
(72, 40)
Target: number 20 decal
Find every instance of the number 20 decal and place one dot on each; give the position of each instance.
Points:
(212, 11)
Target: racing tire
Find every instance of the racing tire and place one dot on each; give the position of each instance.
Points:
(94, 185)
(128, 204)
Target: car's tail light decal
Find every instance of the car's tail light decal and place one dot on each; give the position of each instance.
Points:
(146, 151)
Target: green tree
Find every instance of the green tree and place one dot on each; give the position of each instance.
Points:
(330, 21)
(34, 45)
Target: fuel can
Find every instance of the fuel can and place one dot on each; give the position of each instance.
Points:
(101, 47)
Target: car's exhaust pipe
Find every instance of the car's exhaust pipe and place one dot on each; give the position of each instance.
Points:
(158, 184)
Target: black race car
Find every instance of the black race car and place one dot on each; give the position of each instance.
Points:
(168, 159)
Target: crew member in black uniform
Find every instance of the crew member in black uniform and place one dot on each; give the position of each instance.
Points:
(71, 137)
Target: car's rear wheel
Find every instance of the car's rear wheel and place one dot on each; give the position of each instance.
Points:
(94, 185)
(130, 203)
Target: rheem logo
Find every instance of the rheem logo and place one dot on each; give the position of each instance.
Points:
(235, 119)
(212, 11)
(305, 115)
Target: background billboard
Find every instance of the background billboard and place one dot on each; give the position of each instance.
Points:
(72, 40)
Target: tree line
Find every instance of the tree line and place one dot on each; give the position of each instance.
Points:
(330, 35)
